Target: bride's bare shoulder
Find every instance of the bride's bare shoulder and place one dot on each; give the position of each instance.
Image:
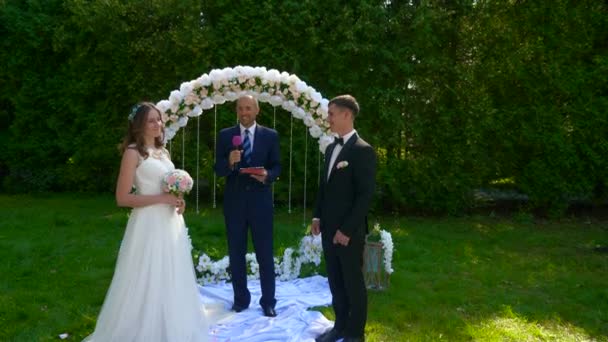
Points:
(131, 155)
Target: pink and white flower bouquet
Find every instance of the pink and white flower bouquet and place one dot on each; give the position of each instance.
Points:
(177, 182)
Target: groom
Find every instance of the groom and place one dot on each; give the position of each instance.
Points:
(248, 200)
(344, 198)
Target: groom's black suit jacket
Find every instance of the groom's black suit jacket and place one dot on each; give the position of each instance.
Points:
(343, 202)
(344, 199)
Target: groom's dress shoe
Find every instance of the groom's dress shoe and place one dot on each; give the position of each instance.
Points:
(238, 308)
(329, 336)
(269, 311)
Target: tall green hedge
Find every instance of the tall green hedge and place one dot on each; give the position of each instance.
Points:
(456, 96)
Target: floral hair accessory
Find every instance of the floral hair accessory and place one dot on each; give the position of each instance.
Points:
(133, 112)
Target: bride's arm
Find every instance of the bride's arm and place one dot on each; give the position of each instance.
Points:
(124, 197)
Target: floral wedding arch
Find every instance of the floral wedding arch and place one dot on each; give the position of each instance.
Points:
(280, 89)
(228, 84)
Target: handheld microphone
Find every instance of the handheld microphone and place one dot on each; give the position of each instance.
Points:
(236, 143)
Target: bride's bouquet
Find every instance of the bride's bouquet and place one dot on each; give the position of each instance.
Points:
(177, 182)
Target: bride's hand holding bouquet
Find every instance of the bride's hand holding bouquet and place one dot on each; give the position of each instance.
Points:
(177, 182)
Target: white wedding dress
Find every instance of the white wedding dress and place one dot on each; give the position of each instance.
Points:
(153, 296)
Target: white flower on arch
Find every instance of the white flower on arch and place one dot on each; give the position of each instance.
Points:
(268, 86)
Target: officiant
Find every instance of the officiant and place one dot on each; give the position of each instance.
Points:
(248, 156)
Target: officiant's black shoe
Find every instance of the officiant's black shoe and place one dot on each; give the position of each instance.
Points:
(330, 336)
(353, 339)
(269, 311)
(238, 308)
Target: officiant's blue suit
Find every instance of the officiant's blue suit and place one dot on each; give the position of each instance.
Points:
(248, 205)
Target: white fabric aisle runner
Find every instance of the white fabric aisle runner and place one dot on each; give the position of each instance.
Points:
(293, 322)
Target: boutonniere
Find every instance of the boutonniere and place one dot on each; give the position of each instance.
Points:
(342, 164)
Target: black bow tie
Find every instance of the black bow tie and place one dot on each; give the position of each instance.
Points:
(340, 141)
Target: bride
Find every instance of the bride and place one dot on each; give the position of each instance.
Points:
(153, 295)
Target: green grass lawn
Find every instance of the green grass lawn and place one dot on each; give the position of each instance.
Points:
(456, 279)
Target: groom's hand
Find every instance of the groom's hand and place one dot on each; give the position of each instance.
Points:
(315, 226)
(341, 239)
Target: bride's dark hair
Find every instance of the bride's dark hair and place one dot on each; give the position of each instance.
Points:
(137, 125)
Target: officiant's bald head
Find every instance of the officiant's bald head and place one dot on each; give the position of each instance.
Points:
(248, 98)
(247, 109)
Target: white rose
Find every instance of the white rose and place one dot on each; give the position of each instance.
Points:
(196, 111)
(183, 121)
(185, 88)
(316, 96)
(292, 79)
(197, 84)
(276, 100)
(273, 76)
(258, 71)
(205, 80)
(288, 105)
(324, 141)
(301, 86)
(207, 103)
(167, 138)
(309, 121)
(228, 73)
(249, 71)
(264, 97)
(174, 107)
(298, 113)
(218, 99)
(238, 70)
(324, 103)
(163, 105)
(191, 99)
(322, 112)
(175, 96)
(315, 131)
(230, 96)
(284, 78)
(216, 75)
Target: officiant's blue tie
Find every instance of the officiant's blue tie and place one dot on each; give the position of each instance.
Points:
(247, 148)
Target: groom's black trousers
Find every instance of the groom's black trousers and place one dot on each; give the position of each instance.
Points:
(344, 272)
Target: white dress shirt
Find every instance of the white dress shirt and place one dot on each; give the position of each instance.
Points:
(337, 150)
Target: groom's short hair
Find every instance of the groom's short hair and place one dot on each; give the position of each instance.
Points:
(348, 102)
